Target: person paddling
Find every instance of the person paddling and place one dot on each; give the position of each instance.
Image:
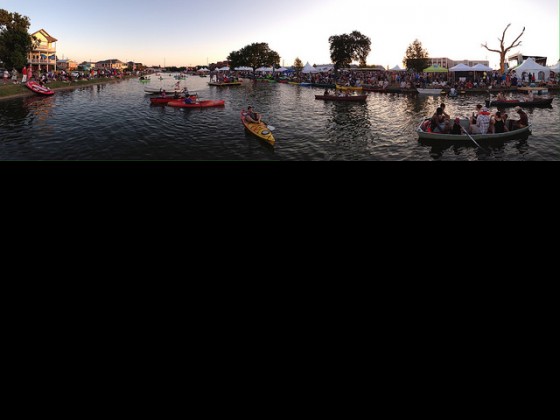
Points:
(252, 116)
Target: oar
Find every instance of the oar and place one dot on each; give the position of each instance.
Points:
(473, 140)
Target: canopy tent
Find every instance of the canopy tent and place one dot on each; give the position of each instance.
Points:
(397, 68)
(281, 70)
(530, 66)
(461, 67)
(436, 69)
(555, 68)
(481, 67)
(309, 69)
(204, 70)
(265, 69)
(244, 68)
(223, 69)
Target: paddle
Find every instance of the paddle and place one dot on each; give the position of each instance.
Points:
(473, 140)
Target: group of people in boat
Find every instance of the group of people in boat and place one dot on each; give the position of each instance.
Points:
(338, 92)
(482, 121)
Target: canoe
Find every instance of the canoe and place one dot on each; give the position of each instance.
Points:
(537, 103)
(200, 104)
(164, 101)
(349, 87)
(168, 90)
(259, 130)
(429, 91)
(426, 137)
(40, 90)
(356, 98)
(225, 84)
(324, 85)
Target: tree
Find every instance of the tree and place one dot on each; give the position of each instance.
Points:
(255, 56)
(503, 50)
(346, 48)
(416, 57)
(298, 65)
(15, 42)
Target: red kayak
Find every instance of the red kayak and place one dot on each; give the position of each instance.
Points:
(164, 101)
(199, 104)
(37, 88)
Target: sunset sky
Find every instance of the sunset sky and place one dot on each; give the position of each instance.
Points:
(187, 32)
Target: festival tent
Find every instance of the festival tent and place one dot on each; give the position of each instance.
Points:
(461, 67)
(482, 67)
(244, 68)
(281, 70)
(436, 69)
(265, 69)
(223, 69)
(530, 66)
(309, 69)
(555, 68)
(397, 68)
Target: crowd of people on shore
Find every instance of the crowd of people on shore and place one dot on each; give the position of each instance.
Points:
(482, 121)
(43, 76)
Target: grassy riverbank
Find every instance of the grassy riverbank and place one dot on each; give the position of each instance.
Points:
(10, 90)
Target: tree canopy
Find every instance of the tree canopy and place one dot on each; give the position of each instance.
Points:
(15, 42)
(416, 57)
(346, 48)
(255, 55)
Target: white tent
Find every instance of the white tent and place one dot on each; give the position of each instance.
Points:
(223, 69)
(555, 68)
(244, 68)
(397, 68)
(481, 67)
(265, 69)
(281, 70)
(531, 66)
(461, 67)
(309, 69)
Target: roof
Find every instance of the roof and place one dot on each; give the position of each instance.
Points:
(46, 35)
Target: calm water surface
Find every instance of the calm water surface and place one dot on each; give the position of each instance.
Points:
(117, 122)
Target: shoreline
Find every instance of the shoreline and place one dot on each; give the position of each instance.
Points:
(71, 86)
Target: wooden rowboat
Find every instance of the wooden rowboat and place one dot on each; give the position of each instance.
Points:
(428, 137)
(355, 98)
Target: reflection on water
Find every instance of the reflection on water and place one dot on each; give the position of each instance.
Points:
(117, 121)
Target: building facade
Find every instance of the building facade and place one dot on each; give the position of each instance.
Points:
(112, 64)
(66, 65)
(43, 55)
(449, 63)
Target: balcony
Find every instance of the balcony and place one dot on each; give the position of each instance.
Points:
(44, 48)
(42, 61)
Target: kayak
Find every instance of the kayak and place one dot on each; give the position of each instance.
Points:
(37, 88)
(259, 130)
(225, 84)
(200, 104)
(164, 101)
(537, 103)
(358, 88)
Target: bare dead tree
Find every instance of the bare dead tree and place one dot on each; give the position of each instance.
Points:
(503, 50)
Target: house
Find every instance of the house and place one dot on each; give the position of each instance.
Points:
(112, 63)
(43, 54)
(66, 65)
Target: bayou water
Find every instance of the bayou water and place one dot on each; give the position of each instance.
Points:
(116, 121)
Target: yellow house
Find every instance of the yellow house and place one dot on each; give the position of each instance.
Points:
(43, 55)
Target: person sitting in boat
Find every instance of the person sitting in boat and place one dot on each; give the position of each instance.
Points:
(499, 124)
(252, 116)
(188, 100)
(501, 97)
(327, 92)
(531, 97)
(456, 129)
(482, 122)
(163, 93)
(523, 119)
(439, 124)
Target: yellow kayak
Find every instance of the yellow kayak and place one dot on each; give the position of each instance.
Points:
(349, 87)
(258, 129)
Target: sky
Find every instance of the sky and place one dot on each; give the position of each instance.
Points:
(189, 33)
